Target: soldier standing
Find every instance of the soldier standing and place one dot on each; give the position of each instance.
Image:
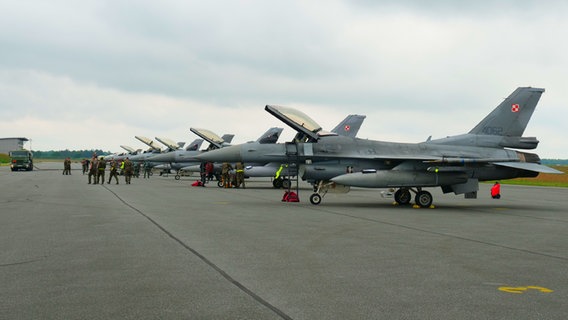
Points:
(225, 174)
(93, 171)
(101, 171)
(240, 170)
(127, 170)
(137, 166)
(85, 164)
(209, 168)
(147, 169)
(67, 166)
(113, 171)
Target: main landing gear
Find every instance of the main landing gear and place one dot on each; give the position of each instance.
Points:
(423, 198)
(281, 183)
(402, 196)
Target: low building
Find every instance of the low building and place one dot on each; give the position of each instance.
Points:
(11, 144)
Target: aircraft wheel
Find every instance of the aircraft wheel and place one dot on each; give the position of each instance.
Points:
(277, 183)
(315, 199)
(402, 196)
(286, 183)
(220, 183)
(423, 199)
(177, 177)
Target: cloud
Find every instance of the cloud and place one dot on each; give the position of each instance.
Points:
(158, 68)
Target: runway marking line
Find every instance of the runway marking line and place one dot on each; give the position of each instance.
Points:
(521, 290)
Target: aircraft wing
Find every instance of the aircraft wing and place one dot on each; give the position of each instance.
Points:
(528, 166)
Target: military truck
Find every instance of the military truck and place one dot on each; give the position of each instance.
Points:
(21, 160)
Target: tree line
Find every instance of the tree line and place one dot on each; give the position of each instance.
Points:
(73, 154)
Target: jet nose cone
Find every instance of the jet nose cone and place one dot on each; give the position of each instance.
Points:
(227, 154)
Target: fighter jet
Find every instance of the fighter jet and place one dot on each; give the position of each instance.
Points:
(132, 153)
(121, 156)
(456, 163)
(184, 160)
(170, 147)
(187, 156)
(348, 127)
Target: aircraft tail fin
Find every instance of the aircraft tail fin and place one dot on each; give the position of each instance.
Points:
(505, 125)
(227, 138)
(270, 136)
(350, 126)
(511, 117)
(194, 145)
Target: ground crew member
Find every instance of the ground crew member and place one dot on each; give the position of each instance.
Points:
(202, 173)
(240, 170)
(496, 191)
(67, 166)
(278, 172)
(127, 170)
(209, 168)
(93, 171)
(147, 169)
(101, 171)
(85, 164)
(137, 166)
(225, 174)
(113, 171)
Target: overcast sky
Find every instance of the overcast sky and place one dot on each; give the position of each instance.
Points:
(93, 73)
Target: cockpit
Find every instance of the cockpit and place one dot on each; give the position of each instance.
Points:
(308, 129)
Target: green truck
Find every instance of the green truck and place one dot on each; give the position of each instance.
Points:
(21, 160)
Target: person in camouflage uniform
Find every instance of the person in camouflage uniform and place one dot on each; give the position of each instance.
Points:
(93, 170)
(240, 174)
(101, 171)
(67, 166)
(113, 171)
(127, 170)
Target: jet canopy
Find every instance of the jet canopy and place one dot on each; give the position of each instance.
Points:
(172, 145)
(148, 142)
(208, 136)
(307, 128)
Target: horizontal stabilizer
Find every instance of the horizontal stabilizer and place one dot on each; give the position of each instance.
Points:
(528, 166)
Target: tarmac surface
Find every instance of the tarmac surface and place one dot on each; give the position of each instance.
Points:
(161, 249)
